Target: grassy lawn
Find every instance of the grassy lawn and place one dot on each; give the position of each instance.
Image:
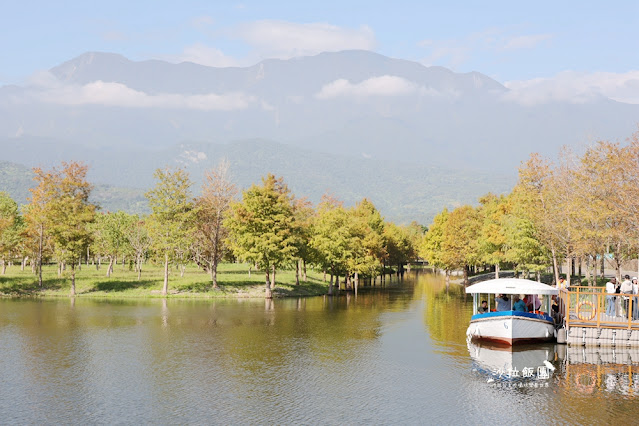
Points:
(233, 280)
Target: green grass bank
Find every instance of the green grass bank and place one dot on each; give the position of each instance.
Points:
(233, 280)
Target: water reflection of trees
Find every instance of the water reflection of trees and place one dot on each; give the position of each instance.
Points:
(447, 309)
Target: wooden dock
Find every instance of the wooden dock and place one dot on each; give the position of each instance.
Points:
(590, 319)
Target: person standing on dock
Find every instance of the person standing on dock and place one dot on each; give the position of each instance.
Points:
(610, 298)
(626, 288)
(635, 299)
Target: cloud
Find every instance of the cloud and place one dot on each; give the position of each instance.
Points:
(283, 39)
(119, 95)
(576, 87)
(386, 85)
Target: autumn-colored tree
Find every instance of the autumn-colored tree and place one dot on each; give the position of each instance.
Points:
(304, 224)
(492, 236)
(172, 219)
(70, 214)
(11, 226)
(459, 239)
(262, 227)
(539, 191)
(38, 216)
(212, 208)
(431, 245)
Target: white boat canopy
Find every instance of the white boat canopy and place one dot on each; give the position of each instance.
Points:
(511, 286)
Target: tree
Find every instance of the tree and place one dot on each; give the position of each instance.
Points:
(212, 207)
(110, 236)
(262, 227)
(71, 212)
(331, 238)
(399, 244)
(139, 240)
(11, 226)
(459, 239)
(431, 245)
(172, 219)
(38, 214)
(492, 237)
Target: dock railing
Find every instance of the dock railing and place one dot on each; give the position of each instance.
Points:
(592, 307)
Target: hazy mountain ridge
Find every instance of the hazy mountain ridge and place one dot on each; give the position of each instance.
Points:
(402, 191)
(352, 102)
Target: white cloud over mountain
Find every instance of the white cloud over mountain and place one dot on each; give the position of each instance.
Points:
(576, 87)
(386, 85)
(119, 95)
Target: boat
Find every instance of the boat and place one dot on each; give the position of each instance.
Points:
(509, 326)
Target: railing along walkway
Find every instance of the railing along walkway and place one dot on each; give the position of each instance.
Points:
(593, 307)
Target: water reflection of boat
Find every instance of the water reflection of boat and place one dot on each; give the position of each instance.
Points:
(511, 326)
(500, 360)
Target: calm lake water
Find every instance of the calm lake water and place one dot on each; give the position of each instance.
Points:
(396, 355)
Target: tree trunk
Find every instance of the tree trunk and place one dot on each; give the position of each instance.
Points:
(165, 288)
(40, 256)
(110, 267)
(304, 270)
(272, 277)
(214, 273)
(72, 279)
(330, 284)
(356, 282)
(182, 268)
(554, 263)
(297, 273)
(4, 267)
(268, 294)
(496, 270)
(466, 274)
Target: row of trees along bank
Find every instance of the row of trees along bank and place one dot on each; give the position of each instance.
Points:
(267, 227)
(582, 209)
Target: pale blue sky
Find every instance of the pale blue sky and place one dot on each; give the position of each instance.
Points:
(507, 40)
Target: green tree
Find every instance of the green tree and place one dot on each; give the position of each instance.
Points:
(399, 244)
(110, 236)
(137, 236)
(331, 238)
(171, 222)
(262, 227)
(11, 226)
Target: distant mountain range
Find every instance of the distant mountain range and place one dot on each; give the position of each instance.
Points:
(410, 137)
